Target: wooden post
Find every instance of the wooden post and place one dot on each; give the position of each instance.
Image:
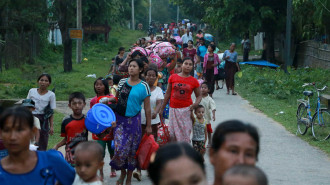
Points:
(79, 26)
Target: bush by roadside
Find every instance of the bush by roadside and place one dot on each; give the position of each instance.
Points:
(275, 93)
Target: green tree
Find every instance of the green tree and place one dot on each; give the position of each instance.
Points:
(23, 28)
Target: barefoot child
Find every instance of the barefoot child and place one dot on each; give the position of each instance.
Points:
(244, 175)
(89, 159)
(209, 106)
(73, 127)
(199, 130)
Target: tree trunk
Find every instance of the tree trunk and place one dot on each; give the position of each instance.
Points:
(270, 53)
(67, 56)
(67, 42)
(0, 61)
(6, 51)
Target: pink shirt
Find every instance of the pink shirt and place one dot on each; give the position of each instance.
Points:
(216, 61)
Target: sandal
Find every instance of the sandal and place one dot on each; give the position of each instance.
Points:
(137, 175)
(113, 174)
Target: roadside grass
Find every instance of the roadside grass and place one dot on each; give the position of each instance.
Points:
(16, 82)
(274, 92)
(56, 137)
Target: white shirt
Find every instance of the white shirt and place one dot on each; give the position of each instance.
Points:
(41, 101)
(185, 38)
(156, 94)
(209, 106)
(79, 181)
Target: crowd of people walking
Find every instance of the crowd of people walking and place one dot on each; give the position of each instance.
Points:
(152, 82)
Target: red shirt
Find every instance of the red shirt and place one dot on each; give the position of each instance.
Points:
(182, 88)
(189, 53)
(74, 129)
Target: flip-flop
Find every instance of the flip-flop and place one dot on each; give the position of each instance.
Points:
(137, 175)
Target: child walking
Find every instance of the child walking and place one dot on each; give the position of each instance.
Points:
(89, 159)
(210, 107)
(73, 127)
(101, 88)
(30, 104)
(199, 130)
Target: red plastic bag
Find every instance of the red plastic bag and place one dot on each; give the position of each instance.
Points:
(163, 134)
(147, 147)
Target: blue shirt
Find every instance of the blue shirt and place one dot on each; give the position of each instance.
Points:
(201, 51)
(49, 168)
(131, 97)
(232, 56)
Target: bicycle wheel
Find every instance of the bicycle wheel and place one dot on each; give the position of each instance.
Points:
(321, 125)
(302, 119)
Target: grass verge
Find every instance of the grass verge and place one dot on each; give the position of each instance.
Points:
(273, 92)
(16, 82)
(55, 138)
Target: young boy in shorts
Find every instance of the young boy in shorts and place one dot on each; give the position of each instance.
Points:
(244, 175)
(88, 158)
(210, 107)
(73, 127)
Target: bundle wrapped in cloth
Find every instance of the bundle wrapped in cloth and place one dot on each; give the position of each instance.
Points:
(143, 51)
(178, 40)
(155, 59)
(162, 49)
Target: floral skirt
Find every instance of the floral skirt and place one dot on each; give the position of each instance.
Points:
(127, 138)
(180, 124)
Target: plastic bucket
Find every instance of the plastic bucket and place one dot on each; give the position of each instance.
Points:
(99, 118)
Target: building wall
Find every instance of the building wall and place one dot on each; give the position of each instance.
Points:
(313, 54)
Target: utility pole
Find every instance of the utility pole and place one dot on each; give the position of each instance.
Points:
(149, 12)
(133, 22)
(288, 61)
(177, 14)
(79, 26)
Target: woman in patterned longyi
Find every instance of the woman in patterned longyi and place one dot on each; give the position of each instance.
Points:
(131, 93)
(179, 90)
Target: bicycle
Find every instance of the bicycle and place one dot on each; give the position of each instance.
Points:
(320, 121)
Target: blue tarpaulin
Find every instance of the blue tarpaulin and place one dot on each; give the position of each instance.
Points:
(260, 63)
